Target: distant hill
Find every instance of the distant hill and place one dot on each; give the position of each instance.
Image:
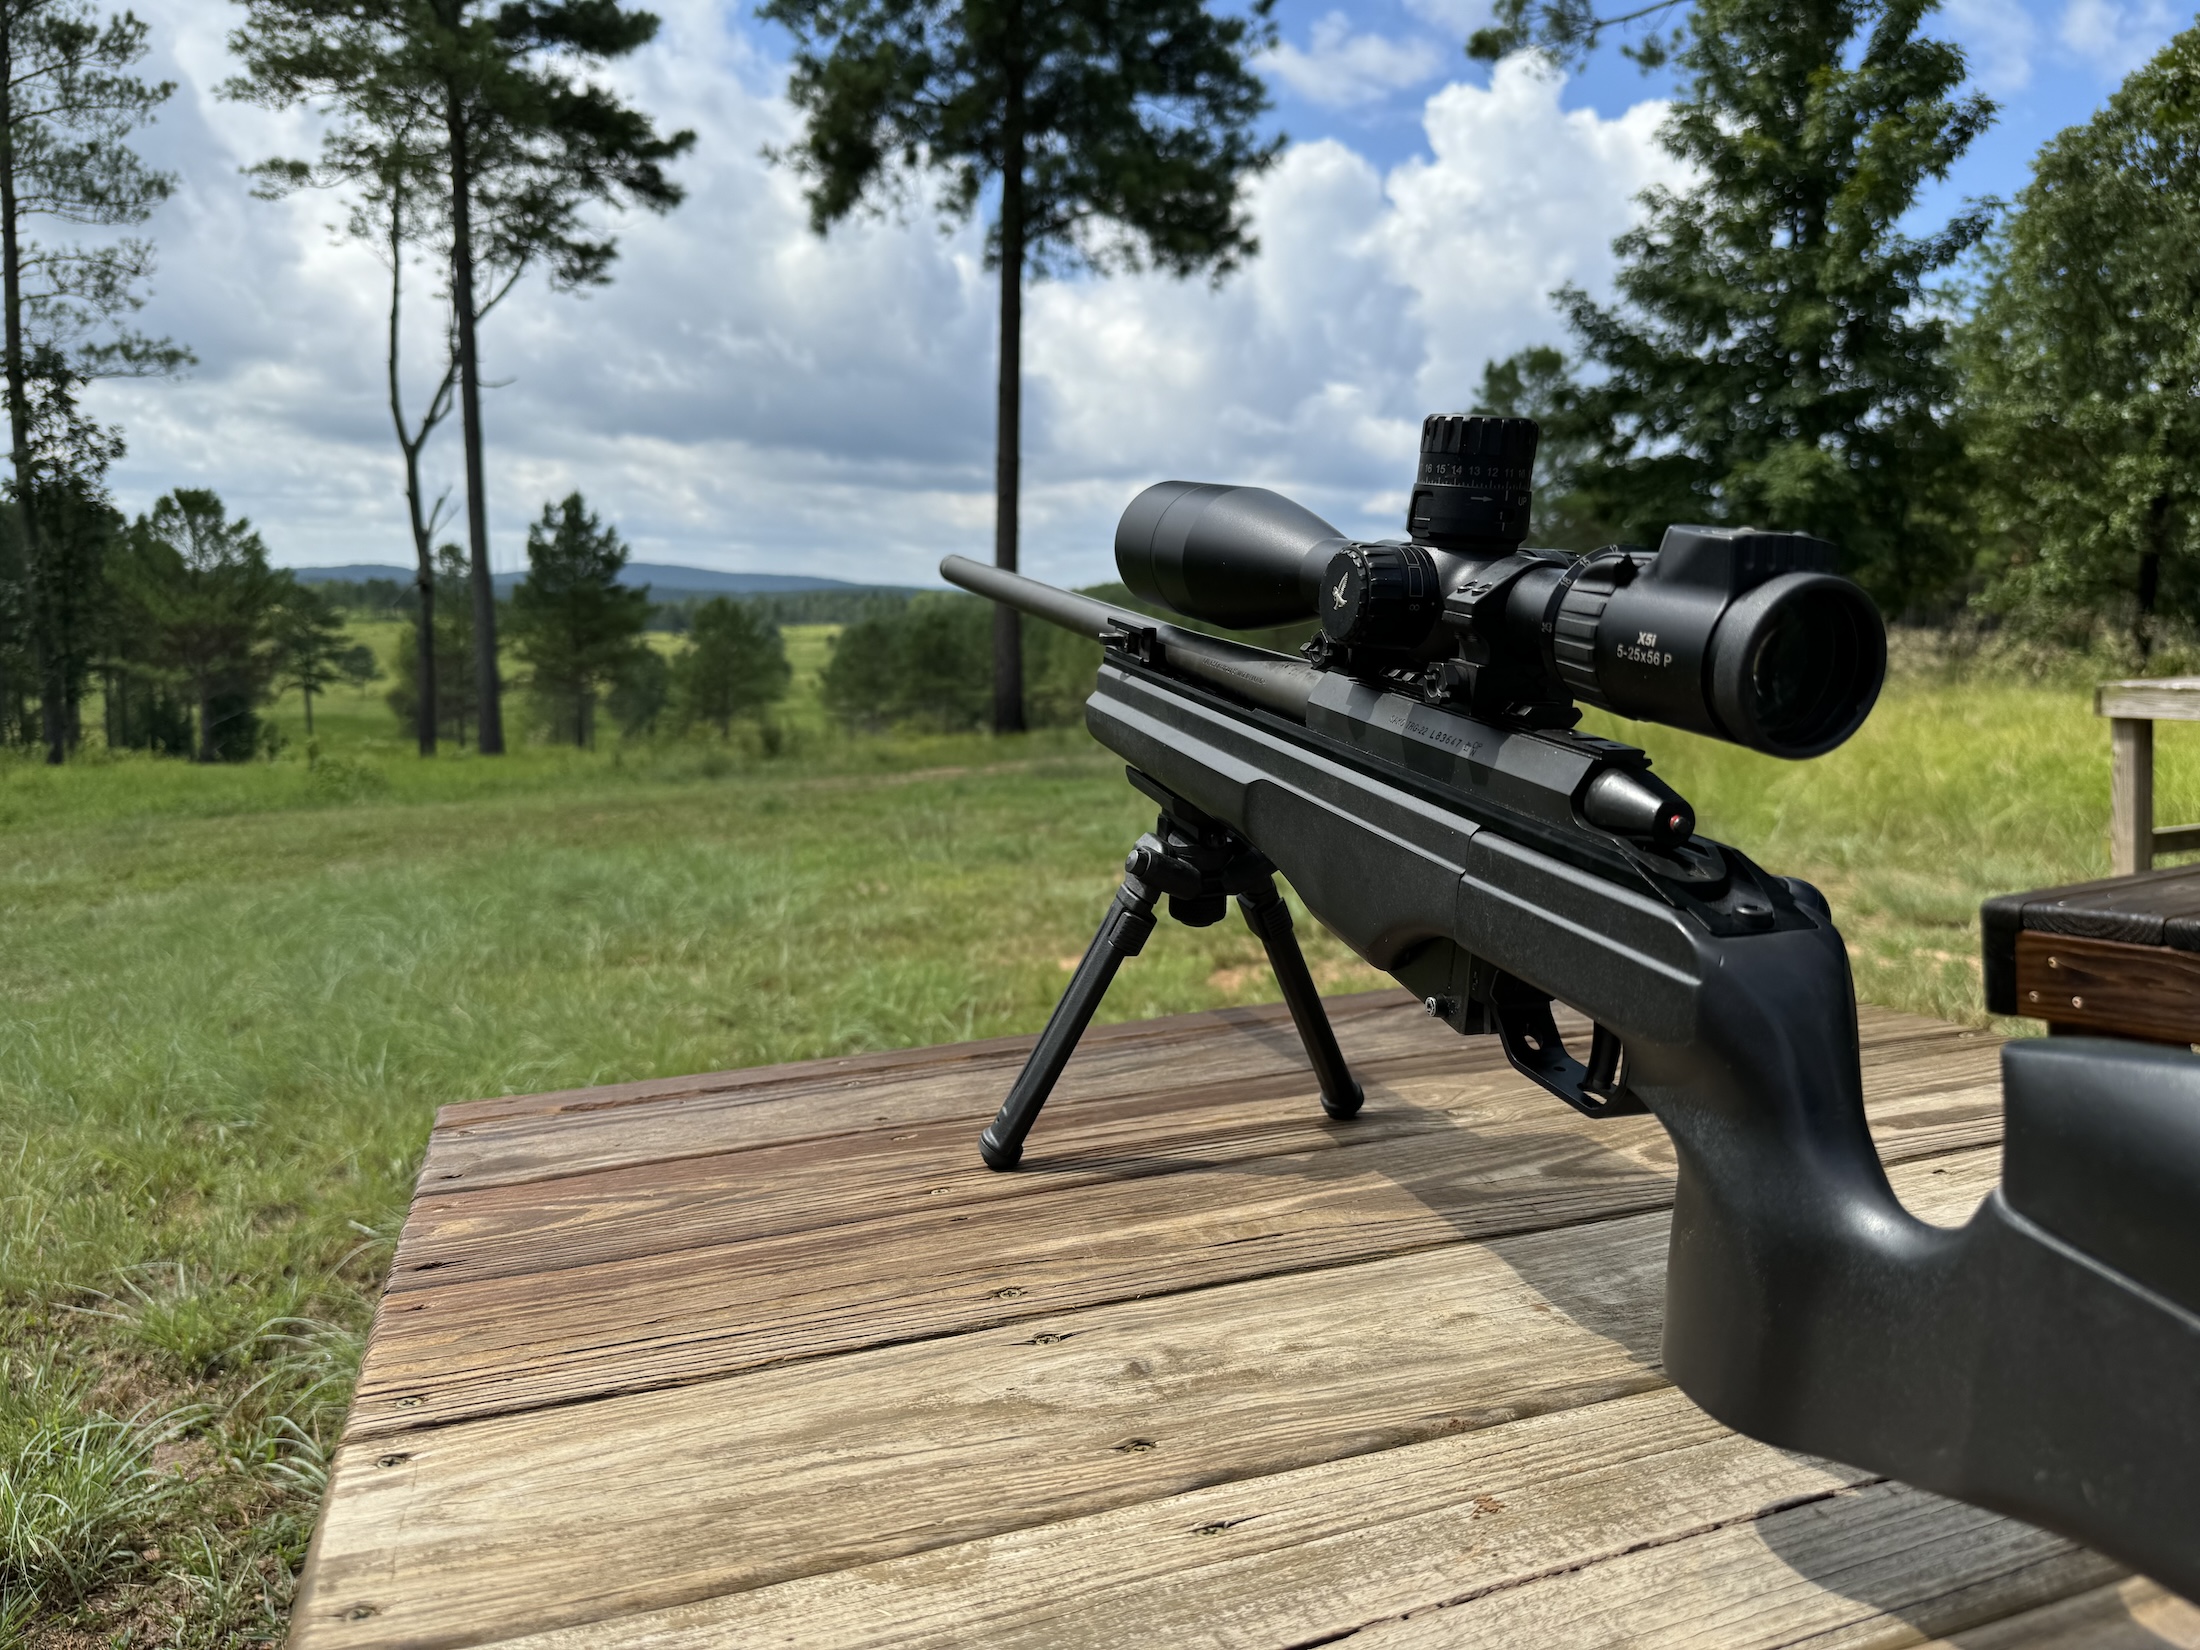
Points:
(662, 578)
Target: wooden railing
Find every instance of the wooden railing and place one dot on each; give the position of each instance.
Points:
(2132, 709)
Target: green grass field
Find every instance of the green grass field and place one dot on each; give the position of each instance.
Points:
(235, 996)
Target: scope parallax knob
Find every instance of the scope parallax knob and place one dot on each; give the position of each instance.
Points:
(1380, 596)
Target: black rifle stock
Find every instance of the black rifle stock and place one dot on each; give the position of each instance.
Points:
(2043, 1360)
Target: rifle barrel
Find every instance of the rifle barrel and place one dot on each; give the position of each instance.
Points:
(1267, 679)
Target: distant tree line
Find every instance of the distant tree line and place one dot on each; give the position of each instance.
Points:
(676, 611)
(178, 624)
(583, 639)
(925, 662)
(672, 613)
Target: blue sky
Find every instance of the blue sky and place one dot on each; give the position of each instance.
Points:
(746, 395)
(2047, 63)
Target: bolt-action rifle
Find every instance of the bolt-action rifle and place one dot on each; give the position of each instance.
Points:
(1418, 779)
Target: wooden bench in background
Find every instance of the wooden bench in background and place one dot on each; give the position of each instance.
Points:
(767, 1359)
(2132, 709)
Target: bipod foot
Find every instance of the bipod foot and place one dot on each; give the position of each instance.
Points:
(1200, 864)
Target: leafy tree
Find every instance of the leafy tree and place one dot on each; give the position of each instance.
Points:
(1120, 133)
(2084, 366)
(206, 601)
(53, 665)
(491, 99)
(1567, 31)
(356, 666)
(68, 104)
(64, 586)
(639, 692)
(1780, 354)
(444, 621)
(576, 626)
(1537, 384)
(735, 664)
(927, 664)
(308, 639)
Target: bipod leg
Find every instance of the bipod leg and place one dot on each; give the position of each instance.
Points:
(1122, 934)
(1267, 916)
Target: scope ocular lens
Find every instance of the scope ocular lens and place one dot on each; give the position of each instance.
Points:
(1796, 665)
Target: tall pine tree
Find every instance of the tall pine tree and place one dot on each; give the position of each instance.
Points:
(68, 103)
(494, 99)
(574, 623)
(1119, 133)
(1779, 354)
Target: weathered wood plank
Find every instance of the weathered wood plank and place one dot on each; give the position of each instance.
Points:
(657, 1208)
(659, 1318)
(1004, 1593)
(1294, 1558)
(2159, 699)
(838, 1070)
(1725, 1543)
(1871, 1567)
(491, 1142)
(2133, 1614)
(494, 1527)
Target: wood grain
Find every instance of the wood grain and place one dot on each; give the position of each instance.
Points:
(2158, 699)
(1299, 1557)
(503, 1343)
(2147, 991)
(660, 1207)
(499, 1527)
(529, 1138)
(532, 1137)
(1670, 1543)
(1870, 1567)
(2132, 1614)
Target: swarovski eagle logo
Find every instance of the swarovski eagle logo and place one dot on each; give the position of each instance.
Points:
(1336, 596)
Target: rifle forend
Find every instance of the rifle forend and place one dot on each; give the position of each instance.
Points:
(1493, 864)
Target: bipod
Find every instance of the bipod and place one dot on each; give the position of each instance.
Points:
(1200, 864)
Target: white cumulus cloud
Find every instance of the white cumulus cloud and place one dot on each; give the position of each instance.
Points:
(1998, 39)
(1339, 69)
(2116, 36)
(747, 394)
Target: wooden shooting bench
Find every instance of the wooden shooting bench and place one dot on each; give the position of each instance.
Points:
(2114, 958)
(766, 1358)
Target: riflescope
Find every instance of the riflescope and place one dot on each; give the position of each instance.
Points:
(1731, 631)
